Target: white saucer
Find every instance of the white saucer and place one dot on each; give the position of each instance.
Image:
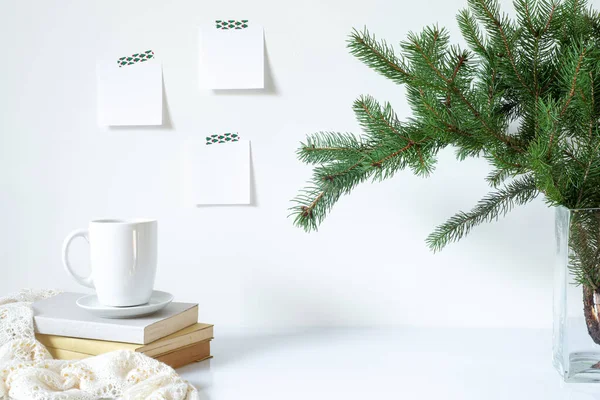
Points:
(158, 301)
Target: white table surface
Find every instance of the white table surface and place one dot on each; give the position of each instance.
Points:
(348, 364)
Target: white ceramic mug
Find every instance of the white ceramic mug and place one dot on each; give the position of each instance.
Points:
(123, 260)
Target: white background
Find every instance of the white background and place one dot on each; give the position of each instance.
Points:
(248, 266)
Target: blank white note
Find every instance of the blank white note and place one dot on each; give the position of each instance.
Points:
(217, 173)
(232, 58)
(131, 95)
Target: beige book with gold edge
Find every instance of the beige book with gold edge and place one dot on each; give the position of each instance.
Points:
(193, 353)
(185, 337)
(189, 354)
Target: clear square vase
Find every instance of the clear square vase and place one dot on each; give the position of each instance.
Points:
(576, 331)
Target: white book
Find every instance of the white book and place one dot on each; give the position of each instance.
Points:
(59, 315)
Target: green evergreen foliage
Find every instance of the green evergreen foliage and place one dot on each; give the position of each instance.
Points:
(584, 245)
(539, 72)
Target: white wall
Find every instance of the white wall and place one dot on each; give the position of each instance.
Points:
(248, 266)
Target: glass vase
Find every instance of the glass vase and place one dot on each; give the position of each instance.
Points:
(576, 333)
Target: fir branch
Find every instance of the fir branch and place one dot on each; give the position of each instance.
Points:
(457, 91)
(471, 33)
(477, 115)
(550, 17)
(573, 83)
(504, 162)
(331, 176)
(379, 163)
(538, 73)
(377, 120)
(528, 18)
(570, 154)
(378, 56)
(413, 40)
(461, 60)
(452, 128)
(490, 208)
(509, 54)
(584, 247)
(586, 174)
(499, 176)
(593, 118)
(307, 202)
(325, 147)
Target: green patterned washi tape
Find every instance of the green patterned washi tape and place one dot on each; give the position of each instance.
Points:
(135, 58)
(231, 24)
(222, 138)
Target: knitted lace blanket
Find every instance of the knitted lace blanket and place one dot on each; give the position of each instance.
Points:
(28, 372)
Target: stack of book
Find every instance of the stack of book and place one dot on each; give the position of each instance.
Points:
(172, 335)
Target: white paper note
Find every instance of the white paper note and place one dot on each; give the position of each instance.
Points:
(232, 58)
(131, 95)
(217, 173)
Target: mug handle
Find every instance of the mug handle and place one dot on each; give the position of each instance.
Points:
(82, 280)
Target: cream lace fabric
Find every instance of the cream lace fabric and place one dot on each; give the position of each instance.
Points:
(28, 372)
